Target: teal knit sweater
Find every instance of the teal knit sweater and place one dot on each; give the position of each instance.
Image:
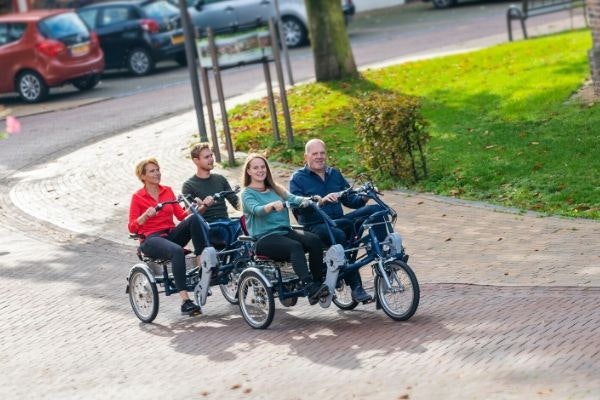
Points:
(260, 223)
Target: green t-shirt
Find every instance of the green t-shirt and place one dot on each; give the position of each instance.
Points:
(199, 187)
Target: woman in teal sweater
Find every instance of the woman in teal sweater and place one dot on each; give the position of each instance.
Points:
(268, 220)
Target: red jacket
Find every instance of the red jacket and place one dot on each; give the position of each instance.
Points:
(163, 220)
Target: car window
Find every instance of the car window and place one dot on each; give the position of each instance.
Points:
(160, 9)
(113, 15)
(89, 16)
(67, 27)
(11, 32)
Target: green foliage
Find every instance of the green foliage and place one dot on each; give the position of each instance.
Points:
(392, 134)
(504, 126)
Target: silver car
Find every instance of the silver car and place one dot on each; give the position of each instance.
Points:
(231, 15)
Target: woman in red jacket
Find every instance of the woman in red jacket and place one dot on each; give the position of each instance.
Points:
(161, 238)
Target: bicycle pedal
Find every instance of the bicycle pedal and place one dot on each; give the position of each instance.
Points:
(371, 300)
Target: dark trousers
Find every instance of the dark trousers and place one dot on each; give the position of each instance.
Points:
(170, 246)
(292, 247)
(346, 228)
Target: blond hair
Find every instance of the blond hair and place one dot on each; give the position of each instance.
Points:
(197, 149)
(140, 168)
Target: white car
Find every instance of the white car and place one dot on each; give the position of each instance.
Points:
(231, 15)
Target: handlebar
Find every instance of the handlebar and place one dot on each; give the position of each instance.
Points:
(186, 198)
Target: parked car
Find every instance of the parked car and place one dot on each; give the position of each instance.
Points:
(230, 15)
(47, 48)
(137, 34)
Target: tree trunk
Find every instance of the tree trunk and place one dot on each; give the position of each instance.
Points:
(329, 40)
(593, 11)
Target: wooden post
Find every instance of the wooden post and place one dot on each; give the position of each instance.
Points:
(211, 114)
(271, 99)
(221, 96)
(286, 111)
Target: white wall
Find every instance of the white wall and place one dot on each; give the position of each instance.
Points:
(365, 5)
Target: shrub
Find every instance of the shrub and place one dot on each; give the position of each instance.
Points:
(392, 134)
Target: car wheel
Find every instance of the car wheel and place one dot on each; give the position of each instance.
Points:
(294, 32)
(31, 87)
(87, 82)
(443, 3)
(140, 62)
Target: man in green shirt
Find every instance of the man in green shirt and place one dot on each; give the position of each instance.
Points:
(204, 184)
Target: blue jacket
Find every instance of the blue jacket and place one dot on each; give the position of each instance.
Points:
(306, 183)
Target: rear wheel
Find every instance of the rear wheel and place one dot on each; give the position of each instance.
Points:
(140, 62)
(342, 297)
(256, 301)
(31, 87)
(143, 295)
(294, 31)
(400, 301)
(87, 82)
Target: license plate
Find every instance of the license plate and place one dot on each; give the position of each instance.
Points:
(177, 39)
(79, 50)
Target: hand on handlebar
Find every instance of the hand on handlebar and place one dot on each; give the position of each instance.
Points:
(151, 211)
(275, 205)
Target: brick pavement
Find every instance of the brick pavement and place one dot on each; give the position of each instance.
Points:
(509, 305)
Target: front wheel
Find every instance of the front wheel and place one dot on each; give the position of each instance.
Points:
(256, 301)
(230, 290)
(342, 297)
(143, 295)
(401, 299)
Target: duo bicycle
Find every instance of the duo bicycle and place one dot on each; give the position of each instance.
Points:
(254, 281)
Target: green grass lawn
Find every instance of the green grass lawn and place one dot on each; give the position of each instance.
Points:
(505, 128)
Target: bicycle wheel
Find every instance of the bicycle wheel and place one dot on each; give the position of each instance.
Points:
(401, 300)
(143, 295)
(342, 297)
(230, 290)
(256, 301)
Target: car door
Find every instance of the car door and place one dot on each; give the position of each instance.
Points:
(251, 13)
(119, 30)
(220, 15)
(13, 54)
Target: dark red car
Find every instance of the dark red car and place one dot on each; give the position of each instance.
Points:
(46, 48)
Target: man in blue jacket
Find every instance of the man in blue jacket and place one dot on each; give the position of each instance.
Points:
(318, 179)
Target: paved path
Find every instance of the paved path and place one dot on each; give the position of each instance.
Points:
(510, 303)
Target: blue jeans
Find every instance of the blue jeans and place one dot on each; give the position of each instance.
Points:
(169, 246)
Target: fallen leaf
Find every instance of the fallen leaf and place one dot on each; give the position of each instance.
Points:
(447, 240)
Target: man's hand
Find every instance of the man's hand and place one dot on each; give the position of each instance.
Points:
(330, 198)
(208, 201)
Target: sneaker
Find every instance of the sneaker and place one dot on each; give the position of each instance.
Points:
(316, 291)
(190, 308)
(360, 296)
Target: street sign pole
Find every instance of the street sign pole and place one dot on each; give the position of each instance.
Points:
(192, 68)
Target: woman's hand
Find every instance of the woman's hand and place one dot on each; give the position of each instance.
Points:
(275, 205)
(150, 212)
